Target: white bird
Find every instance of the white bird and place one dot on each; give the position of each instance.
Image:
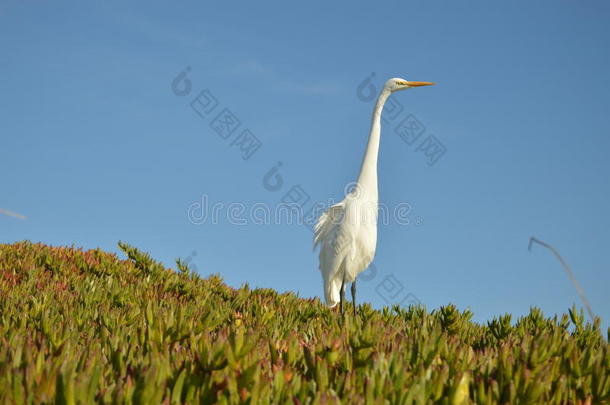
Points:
(347, 231)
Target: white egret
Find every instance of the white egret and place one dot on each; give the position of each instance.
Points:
(347, 231)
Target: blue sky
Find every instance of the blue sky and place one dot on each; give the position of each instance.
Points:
(96, 147)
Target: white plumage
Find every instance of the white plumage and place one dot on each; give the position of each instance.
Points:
(347, 231)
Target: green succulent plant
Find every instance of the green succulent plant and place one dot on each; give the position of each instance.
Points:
(81, 327)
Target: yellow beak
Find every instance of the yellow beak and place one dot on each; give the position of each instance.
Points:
(418, 84)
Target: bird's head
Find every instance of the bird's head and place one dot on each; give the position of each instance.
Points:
(396, 84)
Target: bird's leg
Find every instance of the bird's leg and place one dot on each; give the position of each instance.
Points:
(354, 296)
(342, 294)
(343, 291)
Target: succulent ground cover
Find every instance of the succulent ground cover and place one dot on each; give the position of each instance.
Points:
(89, 327)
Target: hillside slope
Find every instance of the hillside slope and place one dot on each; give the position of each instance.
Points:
(85, 326)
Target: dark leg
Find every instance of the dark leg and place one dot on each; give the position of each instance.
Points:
(354, 296)
(342, 294)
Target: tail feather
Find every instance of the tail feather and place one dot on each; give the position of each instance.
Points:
(326, 223)
(325, 234)
(332, 294)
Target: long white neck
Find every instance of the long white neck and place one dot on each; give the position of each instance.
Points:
(367, 180)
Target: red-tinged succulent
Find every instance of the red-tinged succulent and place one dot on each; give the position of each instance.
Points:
(87, 327)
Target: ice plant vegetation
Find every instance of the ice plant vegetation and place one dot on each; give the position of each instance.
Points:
(81, 327)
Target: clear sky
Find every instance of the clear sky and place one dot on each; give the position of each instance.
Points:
(99, 146)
